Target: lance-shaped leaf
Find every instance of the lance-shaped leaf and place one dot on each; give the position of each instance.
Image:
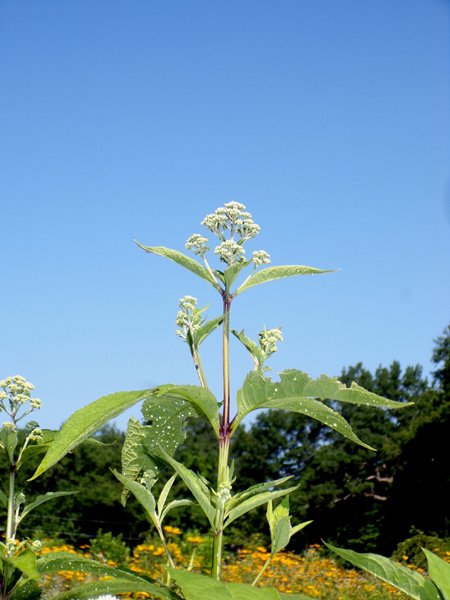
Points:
(201, 399)
(297, 392)
(89, 591)
(254, 349)
(142, 495)
(439, 571)
(40, 500)
(280, 272)
(253, 502)
(195, 484)
(280, 526)
(183, 260)
(86, 421)
(412, 583)
(232, 272)
(172, 505)
(253, 490)
(121, 581)
(200, 335)
(261, 392)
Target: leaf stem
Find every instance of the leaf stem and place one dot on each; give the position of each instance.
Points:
(198, 365)
(263, 568)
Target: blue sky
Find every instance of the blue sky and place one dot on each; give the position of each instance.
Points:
(122, 120)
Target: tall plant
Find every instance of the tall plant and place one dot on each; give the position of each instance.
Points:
(166, 408)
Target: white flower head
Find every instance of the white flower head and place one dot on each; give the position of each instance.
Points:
(189, 317)
(232, 218)
(230, 252)
(198, 244)
(268, 339)
(260, 257)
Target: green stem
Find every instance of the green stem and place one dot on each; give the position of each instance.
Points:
(263, 568)
(10, 523)
(166, 547)
(223, 493)
(223, 474)
(198, 366)
(226, 364)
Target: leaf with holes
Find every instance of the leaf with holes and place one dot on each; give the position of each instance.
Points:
(86, 421)
(297, 392)
(201, 400)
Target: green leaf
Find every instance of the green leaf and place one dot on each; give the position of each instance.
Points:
(134, 457)
(195, 485)
(201, 587)
(183, 260)
(206, 328)
(410, 582)
(245, 591)
(3, 499)
(86, 421)
(172, 505)
(254, 349)
(142, 495)
(25, 562)
(115, 586)
(200, 398)
(232, 272)
(280, 272)
(288, 394)
(439, 571)
(255, 489)
(8, 440)
(253, 502)
(40, 500)
(330, 387)
(68, 561)
(280, 526)
(165, 492)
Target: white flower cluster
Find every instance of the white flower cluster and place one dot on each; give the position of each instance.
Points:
(233, 218)
(230, 252)
(234, 226)
(198, 244)
(17, 391)
(268, 339)
(188, 316)
(260, 257)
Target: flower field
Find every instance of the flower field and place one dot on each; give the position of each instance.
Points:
(313, 573)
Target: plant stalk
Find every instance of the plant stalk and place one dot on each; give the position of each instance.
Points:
(223, 474)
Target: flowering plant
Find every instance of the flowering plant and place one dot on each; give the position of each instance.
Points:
(166, 408)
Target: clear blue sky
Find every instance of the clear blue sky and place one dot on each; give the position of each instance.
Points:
(329, 119)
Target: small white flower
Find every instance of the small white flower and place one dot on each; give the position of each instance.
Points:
(268, 339)
(197, 243)
(35, 403)
(9, 426)
(260, 257)
(230, 252)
